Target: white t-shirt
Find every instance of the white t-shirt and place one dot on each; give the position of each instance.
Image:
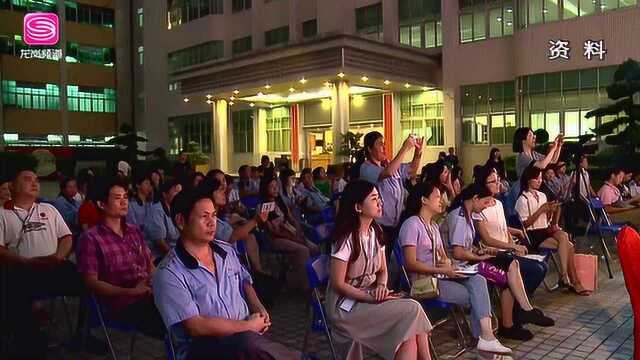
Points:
(368, 246)
(43, 226)
(527, 204)
(495, 221)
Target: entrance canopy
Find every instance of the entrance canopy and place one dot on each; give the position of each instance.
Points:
(302, 72)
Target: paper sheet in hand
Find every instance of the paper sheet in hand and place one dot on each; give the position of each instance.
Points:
(268, 207)
(468, 270)
(535, 257)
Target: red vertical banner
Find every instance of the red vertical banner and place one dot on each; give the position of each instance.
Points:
(295, 149)
(387, 121)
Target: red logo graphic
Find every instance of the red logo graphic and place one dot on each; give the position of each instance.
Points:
(41, 29)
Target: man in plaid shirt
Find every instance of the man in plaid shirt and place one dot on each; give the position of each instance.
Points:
(116, 264)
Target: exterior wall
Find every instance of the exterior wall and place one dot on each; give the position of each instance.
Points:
(525, 53)
(38, 122)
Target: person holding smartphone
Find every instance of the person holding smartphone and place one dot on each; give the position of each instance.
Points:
(536, 215)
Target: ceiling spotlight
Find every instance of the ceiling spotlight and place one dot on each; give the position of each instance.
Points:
(364, 78)
(341, 74)
(267, 87)
(259, 94)
(270, 106)
(327, 84)
(303, 81)
(209, 102)
(252, 104)
(387, 82)
(209, 96)
(291, 89)
(231, 103)
(407, 85)
(185, 100)
(236, 91)
(232, 97)
(426, 88)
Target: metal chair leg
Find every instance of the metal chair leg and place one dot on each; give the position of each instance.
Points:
(607, 255)
(106, 334)
(133, 341)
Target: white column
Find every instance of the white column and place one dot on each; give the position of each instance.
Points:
(339, 117)
(220, 136)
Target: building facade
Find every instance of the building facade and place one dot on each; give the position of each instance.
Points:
(237, 79)
(71, 93)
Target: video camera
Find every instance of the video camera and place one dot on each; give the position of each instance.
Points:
(574, 146)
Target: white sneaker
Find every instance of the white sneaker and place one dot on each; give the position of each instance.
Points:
(492, 346)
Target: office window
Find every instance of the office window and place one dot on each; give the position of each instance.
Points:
(30, 5)
(242, 122)
(140, 17)
(241, 45)
(310, 28)
(184, 11)
(276, 36)
(141, 55)
(558, 102)
(420, 23)
(85, 54)
(369, 21)
(278, 130)
(91, 15)
(196, 55)
(34, 96)
(489, 113)
(501, 19)
(421, 114)
(190, 133)
(473, 23)
(91, 99)
(240, 5)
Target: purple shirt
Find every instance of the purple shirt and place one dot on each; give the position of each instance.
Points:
(414, 232)
(391, 190)
(183, 289)
(120, 261)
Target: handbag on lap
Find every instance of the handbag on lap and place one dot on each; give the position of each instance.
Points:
(426, 286)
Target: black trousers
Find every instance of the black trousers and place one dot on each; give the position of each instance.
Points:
(240, 346)
(144, 315)
(19, 288)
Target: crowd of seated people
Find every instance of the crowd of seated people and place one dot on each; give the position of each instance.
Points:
(149, 249)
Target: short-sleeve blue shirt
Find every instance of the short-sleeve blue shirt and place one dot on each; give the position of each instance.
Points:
(183, 289)
(462, 232)
(391, 190)
(158, 226)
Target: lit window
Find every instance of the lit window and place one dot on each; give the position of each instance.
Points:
(141, 55)
(140, 17)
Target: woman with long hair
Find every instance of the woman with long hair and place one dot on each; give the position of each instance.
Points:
(417, 235)
(359, 304)
(495, 161)
(389, 176)
(524, 143)
(536, 214)
(496, 236)
(283, 230)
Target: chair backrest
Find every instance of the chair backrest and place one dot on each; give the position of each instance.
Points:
(318, 271)
(596, 203)
(397, 252)
(250, 202)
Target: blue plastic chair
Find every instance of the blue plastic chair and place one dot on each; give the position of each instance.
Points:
(251, 202)
(96, 317)
(318, 277)
(601, 226)
(436, 304)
